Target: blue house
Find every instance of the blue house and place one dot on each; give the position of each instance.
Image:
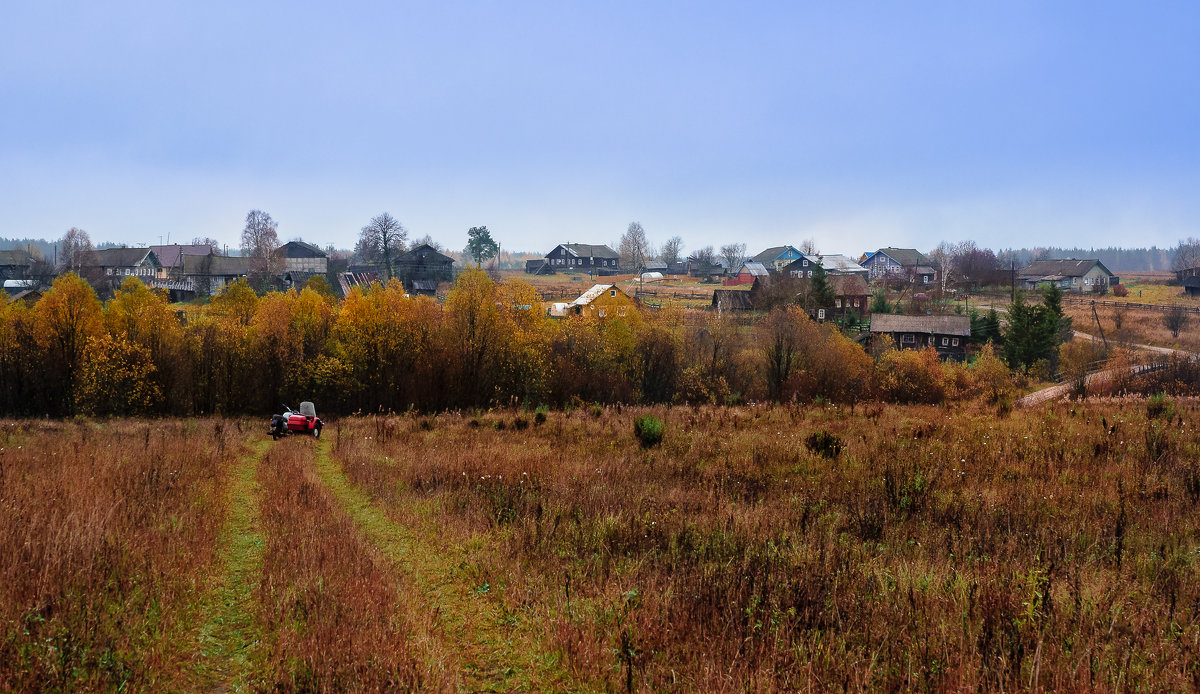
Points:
(776, 257)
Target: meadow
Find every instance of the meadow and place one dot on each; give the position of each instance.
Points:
(762, 548)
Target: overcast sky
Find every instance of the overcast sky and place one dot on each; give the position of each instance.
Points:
(860, 124)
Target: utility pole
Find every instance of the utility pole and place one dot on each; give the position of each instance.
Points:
(1012, 280)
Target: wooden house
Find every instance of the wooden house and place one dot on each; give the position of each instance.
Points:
(732, 300)
(906, 264)
(947, 334)
(1068, 274)
(850, 293)
(777, 257)
(301, 258)
(423, 263)
(584, 257)
(601, 301)
(747, 273)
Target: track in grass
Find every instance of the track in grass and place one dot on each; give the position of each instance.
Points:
(491, 651)
(229, 635)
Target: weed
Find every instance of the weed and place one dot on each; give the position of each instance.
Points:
(649, 430)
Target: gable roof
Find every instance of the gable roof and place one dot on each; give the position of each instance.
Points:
(15, 257)
(907, 257)
(930, 325)
(773, 253)
(169, 255)
(848, 285)
(588, 250)
(594, 293)
(836, 263)
(737, 299)
(1068, 267)
(300, 249)
(755, 269)
(119, 257)
(428, 254)
(1192, 281)
(218, 265)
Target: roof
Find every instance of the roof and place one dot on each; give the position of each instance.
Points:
(119, 257)
(219, 265)
(169, 255)
(15, 257)
(588, 250)
(1068, 267)
(594, 293)
(772, 253)
(1192, 281)
(835, 263)
(755, 269)
(737, 299)
(931, 325)
(300, 249)
(425, 286)
(428, 254)
(907, 257)
(654, 265)
(848, 285)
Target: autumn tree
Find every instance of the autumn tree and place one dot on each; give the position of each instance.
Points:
(73, 249)
(779, 341)
(1175, 319)
(260, 239)
(69, 314)
(634, 248)
(381, 242)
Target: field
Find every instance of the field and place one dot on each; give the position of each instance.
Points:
(761, 548)
(1136, 325)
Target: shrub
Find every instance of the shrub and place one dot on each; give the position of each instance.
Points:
(539, 415)
(824, 444)
(1120, 290)
(648, 429)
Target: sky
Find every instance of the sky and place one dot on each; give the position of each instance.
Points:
(855, 124)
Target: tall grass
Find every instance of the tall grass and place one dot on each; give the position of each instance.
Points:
(942, 549)
(106, 535)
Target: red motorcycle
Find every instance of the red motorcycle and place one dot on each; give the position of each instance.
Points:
(302, 421)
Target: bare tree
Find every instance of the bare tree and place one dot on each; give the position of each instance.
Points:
(1186, 255)
(634, 248)
(672, 250)
(733, 254)
(260, 239)
(809, 247)
(1176, 319)
(382, 241)
(943, 261)
(212, 243)
(76, 245)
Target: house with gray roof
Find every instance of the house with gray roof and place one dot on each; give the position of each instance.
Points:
(584, 257)
(1068, 274)
(947, 334)
(900, 263)
(776, 257)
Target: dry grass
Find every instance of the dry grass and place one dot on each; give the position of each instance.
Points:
(1139, 326)
(328, 601)
(107, 534)
(940, 549)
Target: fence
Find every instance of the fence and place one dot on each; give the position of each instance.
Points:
(1131, 304)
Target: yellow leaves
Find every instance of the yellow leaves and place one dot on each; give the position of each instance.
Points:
(116, 378)
(236, 302)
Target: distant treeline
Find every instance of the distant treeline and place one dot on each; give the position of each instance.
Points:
(1117, 260)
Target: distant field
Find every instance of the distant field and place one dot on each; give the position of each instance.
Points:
(762, 548)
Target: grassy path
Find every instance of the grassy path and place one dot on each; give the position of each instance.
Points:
(228, 636)
(468, 632)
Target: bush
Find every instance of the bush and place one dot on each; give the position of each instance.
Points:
(1120, 290)
(648, 429)
(824, 444)
(539, 415)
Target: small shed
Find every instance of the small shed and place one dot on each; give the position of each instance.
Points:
(732, 300)
(1191, 285)
(749, 272)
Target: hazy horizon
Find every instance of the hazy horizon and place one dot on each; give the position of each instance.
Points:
(857, 125)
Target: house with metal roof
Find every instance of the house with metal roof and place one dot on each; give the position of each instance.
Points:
(749, 272)
(1068, 274)
(207, 274)
(601, 301)
(777, 256)
(833, 264)
(947, 334)
(900, 263)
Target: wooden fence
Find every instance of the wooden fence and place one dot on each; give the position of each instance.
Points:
(1130, 304)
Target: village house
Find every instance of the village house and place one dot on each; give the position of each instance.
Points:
(585, 257)
(777, 257)
(16, 264)
(900, 263)
(850, 293)
(947, 334)
(749, 272)
(110, 267)
(424, 264)
(170, 257)
(204, 275)
(601, 301)
(1068, 274)
(833, 264)
(732, 300)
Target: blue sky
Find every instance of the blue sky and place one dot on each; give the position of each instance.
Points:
(859, 124)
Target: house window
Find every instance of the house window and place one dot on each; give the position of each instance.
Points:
(931, 340)
(925, 279)
(612, 292)
(837, 303)
(602, 313)
(810, 273)
(108, 271)
(620, 310)
(806, 263)
(954, 342)
(907, 339)
(945, 341)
